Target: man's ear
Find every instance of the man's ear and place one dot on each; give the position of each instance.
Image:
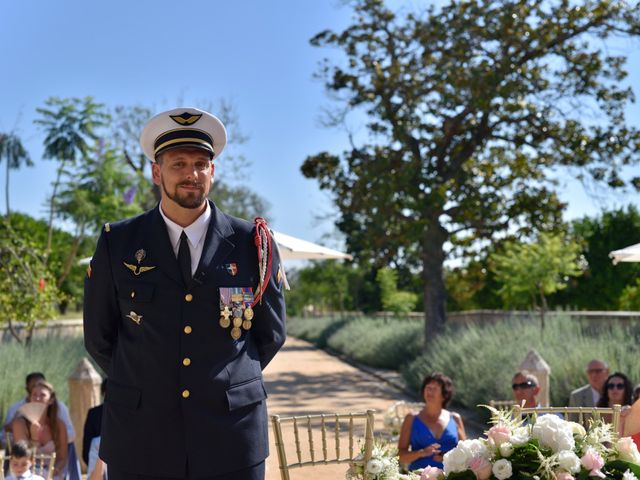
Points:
(155, 173)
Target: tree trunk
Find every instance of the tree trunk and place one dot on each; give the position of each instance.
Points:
(7, 191)
(52, 211)
(543, 308)
(434, 289)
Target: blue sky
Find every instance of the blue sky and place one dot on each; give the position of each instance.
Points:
(255, 53)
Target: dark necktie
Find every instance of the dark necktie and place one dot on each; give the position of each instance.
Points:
(184, 258)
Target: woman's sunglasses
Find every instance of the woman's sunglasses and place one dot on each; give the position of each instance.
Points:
(617, 386)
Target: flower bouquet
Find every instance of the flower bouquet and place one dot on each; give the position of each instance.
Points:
(383, 465)
(545, 448)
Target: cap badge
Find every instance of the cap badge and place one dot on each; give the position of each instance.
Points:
(186, 118)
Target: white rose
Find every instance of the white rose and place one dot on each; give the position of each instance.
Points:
(474, 448)
(506, 449)
(628, 450)
(455, 460)
(502, 469)
(553, 432)
(569, 461)
(520, 436)
(628, 475)
(374, 466)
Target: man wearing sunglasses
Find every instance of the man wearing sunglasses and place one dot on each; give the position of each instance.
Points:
(525, 388)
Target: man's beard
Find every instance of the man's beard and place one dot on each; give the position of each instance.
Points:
(190, 200)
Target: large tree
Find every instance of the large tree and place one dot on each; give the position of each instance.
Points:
(471, 108)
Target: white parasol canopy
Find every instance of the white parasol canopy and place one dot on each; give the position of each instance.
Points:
(629, 254)
(292, 248)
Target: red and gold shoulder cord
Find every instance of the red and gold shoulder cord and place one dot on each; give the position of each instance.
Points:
(265, 246)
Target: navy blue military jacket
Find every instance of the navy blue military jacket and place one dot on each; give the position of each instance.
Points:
(182, 394)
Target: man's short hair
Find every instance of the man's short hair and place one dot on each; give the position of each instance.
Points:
(34, 376)
(21, 449)
(528, 376)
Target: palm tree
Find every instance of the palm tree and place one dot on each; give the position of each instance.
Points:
(70, 125)
(15, 156)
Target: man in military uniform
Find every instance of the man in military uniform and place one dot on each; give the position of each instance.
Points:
(183, 310)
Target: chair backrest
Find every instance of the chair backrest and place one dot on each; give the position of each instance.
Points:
(405, 408)
(318, 439)
(610, 415)
(43, 465)
(1, 464)
(502, 404)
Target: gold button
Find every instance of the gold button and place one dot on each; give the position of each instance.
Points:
(133, 293)
(185, 394)
(186, 362)
(188, 297)
(188, 329)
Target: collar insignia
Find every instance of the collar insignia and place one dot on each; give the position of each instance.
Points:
(185, 118)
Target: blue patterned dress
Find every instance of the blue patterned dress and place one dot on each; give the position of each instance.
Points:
(421, 437)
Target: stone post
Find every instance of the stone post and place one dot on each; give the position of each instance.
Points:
(84, 393)
(534, 363)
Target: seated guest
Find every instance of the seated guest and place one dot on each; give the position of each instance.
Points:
(47, 434)
(426, 437)
(92, 425)
(20, 463)
(63, 412)
(525, 387)
(618, 390)
(588, 395)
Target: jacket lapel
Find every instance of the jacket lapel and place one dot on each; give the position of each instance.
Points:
(216, 244)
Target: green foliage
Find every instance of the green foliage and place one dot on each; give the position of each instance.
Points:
(56, 357)
(93, 193)
(601, 286)
(316, 330)
(28, 291)
(324, 286)
(482, 359)
(394, 300)
(378, 342)
(472, 108)
(372, 341)
(35, 232)
(70, 126)
(531, 271)
(630, 297)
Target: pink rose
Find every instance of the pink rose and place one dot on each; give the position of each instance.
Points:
(431, 473)
(481, 467)
(564, 476)
(592, 461)
(499, 434)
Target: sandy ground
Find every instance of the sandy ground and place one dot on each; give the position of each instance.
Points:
(304, 380)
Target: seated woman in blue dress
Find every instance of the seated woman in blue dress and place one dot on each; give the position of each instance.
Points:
(427, 436)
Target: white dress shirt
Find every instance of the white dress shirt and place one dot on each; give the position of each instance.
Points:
(196, 233)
